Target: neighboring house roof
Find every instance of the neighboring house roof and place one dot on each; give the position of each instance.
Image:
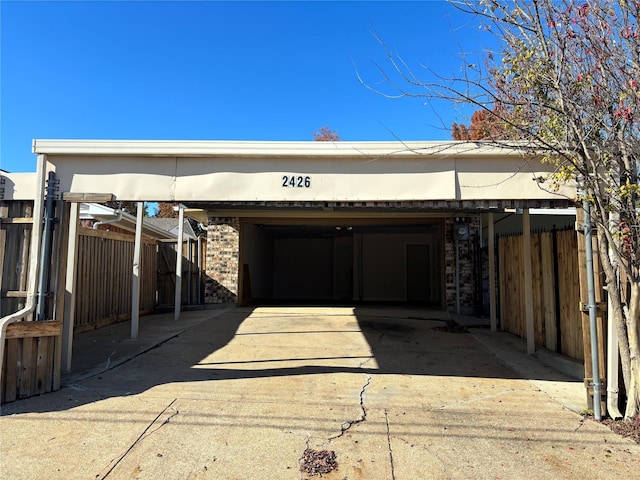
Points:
(171, 225)
(126, 221)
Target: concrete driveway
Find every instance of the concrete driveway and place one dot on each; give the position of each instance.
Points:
(243, 394)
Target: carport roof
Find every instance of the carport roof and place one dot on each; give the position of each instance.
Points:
(262, 149)
(441, 175)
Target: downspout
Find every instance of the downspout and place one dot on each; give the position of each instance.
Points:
(595, 362)
(47, 244)
(105, 222)
(34, 263)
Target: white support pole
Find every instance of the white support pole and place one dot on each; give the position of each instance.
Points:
(135, 300)
(492, 273)
(178, 297)
(528, 282)
(70, 292)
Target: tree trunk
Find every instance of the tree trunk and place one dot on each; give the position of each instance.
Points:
(621, 322)
(633, 320)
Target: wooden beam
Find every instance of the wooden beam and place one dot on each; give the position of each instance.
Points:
(18, 220)
(14, 294)
(48, 328)
(88, 197)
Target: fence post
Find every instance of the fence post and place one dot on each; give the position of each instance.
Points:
(528, 287)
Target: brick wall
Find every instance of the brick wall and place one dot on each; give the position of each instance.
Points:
(223, 252)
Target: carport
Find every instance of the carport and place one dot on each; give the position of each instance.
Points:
(342, 260)
(308, 222)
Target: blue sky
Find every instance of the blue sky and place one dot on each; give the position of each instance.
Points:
(209, 70)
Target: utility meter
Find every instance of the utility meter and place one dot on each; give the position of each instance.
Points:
(461, 231)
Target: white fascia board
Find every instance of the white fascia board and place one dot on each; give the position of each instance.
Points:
(97, 211)
(273, 149)
(128, 222)
(571, 211)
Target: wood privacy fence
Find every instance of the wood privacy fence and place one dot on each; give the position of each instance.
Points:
(192, 276)
(558, 322)
(32, 349)
(15, 243)
(32, 354)
(104, 278)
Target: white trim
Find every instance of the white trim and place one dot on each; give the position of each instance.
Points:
(224, 148)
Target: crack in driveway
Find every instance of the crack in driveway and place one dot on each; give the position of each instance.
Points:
(386, 419)
(363, 416)
(145, 433)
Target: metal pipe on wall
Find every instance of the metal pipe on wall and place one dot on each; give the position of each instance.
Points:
(591, 292)
(47, 243)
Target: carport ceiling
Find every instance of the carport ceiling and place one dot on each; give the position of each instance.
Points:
(342, 227)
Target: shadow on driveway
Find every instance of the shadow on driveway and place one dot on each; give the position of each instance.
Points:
(245, 343)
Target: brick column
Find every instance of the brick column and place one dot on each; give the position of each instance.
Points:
(223, 253)
(467, 280)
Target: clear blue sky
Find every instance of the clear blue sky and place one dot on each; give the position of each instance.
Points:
(209, 70)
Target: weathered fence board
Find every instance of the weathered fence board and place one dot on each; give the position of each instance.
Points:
(15, 243)
(31, 359)
(556, 293)
(191, 283)
(105, 278)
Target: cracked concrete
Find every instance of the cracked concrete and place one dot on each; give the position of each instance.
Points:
(158, 421)
(253, 386)
(363, 413)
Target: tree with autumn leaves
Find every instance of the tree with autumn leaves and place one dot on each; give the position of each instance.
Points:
(325, 134)
(565, 83)
(485, 125)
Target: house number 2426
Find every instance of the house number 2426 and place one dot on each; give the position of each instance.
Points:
(293, 181)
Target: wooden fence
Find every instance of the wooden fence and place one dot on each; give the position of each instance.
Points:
(15, 243)
(192, 280)
(32, 354)
(105, 278)
(31, 363)
(558, 321)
